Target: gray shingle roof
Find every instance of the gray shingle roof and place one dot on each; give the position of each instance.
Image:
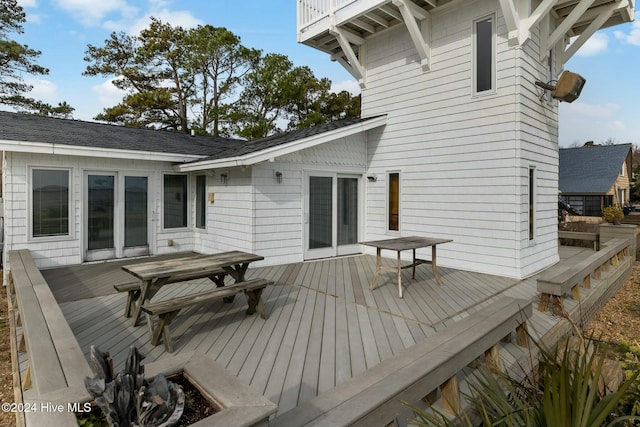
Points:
(591, 170)
(32, 128)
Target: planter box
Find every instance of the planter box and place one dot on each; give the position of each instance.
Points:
(236, 404)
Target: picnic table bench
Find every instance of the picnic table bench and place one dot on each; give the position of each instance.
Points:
(168, 310)
(153, 275)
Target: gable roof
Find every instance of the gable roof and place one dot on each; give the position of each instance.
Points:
(32, 133)
(591, 169)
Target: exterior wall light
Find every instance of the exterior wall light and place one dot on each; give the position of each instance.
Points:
(224, 177)
(278, 177)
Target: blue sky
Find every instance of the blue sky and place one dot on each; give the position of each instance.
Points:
(608, 108)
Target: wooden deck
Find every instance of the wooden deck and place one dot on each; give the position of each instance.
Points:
(324, 324)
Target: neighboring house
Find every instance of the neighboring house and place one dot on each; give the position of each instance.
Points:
(457, 142)
(594, 177)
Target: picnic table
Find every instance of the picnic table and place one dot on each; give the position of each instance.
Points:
(401, 244)
(153, 275)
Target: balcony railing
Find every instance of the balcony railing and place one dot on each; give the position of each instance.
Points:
(311, 11)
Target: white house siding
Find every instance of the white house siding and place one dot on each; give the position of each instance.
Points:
(229, 223)
(68, 250)
(463, 159)
(278, 208)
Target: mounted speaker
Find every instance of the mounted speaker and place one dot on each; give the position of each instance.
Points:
(568, 87)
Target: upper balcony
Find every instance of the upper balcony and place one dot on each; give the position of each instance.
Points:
(339, 27)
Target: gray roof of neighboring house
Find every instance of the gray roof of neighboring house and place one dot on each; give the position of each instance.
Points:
(33, 128)
(591, 169)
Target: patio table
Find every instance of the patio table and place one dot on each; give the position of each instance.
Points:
(155, 274)
(401, 244)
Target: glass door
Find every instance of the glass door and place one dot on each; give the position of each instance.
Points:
(331, 215)
(100, 210)
(116, 216)
(136, 216)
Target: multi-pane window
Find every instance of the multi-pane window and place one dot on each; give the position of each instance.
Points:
(175, 201)
(201, 206)
(484, 30)
(394, 202)
(50, 202)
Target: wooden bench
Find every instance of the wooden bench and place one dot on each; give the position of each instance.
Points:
(216, 275)
(581, 235)
(375, 396)
(168, 310)
(555, 283)
(56, 364)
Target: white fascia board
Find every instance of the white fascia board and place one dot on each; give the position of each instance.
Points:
(284, 149)
(73, 150)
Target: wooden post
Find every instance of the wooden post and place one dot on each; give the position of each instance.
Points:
(575, 292)
(451, 396)
(492, 359)
(522, 335)
(543, 305)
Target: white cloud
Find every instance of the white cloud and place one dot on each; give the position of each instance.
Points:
(91, 13)
(108, 95)
(617, 125)
(43, 90)
(350, 86)
(27, 3)
(588, 110)
(596, 44)
(179, 18)
(633, 36)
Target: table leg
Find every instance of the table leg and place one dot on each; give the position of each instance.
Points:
(413, 268)
(434, 266)
(148, 289)
(374, 282)
(399, 276)
(237, 272)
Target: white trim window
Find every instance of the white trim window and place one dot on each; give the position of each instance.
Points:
(201, 202)
(174, 203)
(393, 201)
(484, 55)
(50, 202)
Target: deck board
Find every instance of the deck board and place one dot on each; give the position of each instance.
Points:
(324, 324)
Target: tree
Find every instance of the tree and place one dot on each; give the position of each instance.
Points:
(219, 62)
(262, 104)
(16, 60)
(151, 69)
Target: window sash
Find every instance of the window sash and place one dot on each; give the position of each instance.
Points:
(394, 202)
(484, 54)
(201, 206)
(50, 202)
(175, 201)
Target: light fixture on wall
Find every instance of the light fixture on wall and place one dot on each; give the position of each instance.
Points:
(224, 177)
(372, 178)
(278, 176)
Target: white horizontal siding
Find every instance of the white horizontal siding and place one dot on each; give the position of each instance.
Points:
(464, 159)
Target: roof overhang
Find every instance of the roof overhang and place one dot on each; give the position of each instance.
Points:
(284, 149)
(74, 150)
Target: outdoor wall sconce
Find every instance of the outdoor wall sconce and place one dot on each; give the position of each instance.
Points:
(372, 177)
(224, 178)
(278, 177)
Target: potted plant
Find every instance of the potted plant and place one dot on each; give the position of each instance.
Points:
(612, 214)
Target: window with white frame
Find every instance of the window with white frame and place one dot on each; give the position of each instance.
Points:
(175, 205)
(50, 202)
(484, 54)
(393, 201)
(201, 205)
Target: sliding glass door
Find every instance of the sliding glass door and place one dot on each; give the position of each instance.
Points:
(331, 215)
